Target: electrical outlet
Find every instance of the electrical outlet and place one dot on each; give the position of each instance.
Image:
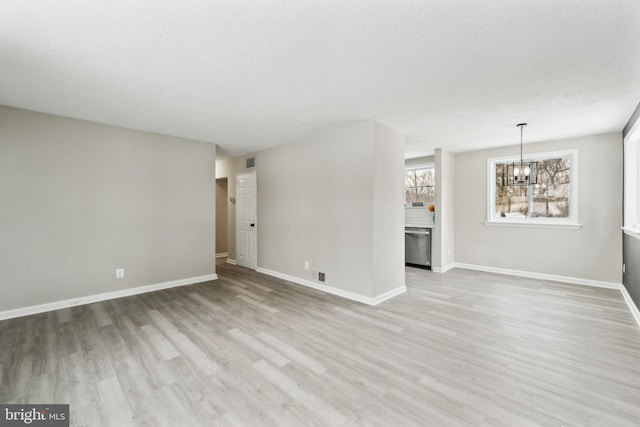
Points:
(306, 265)
(119, 273)
(321, 277)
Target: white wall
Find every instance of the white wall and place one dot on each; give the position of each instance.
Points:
(592, 252)
(333, 199)
(79, 200)
(443, 236)
(388, 210)
(418, 161)
(315, 200)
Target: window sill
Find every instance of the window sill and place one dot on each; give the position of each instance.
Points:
(633, 232)
(528, 224)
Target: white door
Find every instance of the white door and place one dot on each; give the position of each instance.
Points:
(246, 220)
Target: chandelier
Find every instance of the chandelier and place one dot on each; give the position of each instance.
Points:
(522, 172)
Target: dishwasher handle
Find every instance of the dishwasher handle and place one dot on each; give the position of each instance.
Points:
(416, 232)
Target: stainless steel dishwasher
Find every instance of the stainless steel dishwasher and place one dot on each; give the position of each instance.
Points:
(417, 247)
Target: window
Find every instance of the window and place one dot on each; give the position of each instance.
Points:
(420, 185)
(632, 182)
(552, 201)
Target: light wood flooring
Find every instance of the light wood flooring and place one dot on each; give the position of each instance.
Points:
(458, 349)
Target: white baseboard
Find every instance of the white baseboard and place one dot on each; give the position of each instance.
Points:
(444, 269)
(41, 308)
(388, 295)
(222, 255)
(632, 305)
(334, 291)
(543, 276)
(231, 261)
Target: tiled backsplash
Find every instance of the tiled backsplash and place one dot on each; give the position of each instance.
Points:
(419, 215)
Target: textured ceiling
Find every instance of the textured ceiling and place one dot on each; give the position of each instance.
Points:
(456, 74)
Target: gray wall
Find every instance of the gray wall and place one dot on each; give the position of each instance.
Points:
(222, 225)
(593, 252)
(632, 267)
(334, 199)
(81, 199)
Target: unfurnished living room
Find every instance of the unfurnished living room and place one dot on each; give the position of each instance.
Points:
(320, 213)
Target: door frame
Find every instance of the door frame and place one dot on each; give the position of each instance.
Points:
(226, 225)
(255, 175)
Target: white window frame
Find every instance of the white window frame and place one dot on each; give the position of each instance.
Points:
(420, 166)
(571, 222)
(631, 182)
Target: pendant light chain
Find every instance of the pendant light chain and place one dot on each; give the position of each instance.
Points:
(521, 125)
(521, 173)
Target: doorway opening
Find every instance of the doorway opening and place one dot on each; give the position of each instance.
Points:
(222, 218)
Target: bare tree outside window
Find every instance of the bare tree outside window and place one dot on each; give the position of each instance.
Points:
(420, 186)
(551, 194)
